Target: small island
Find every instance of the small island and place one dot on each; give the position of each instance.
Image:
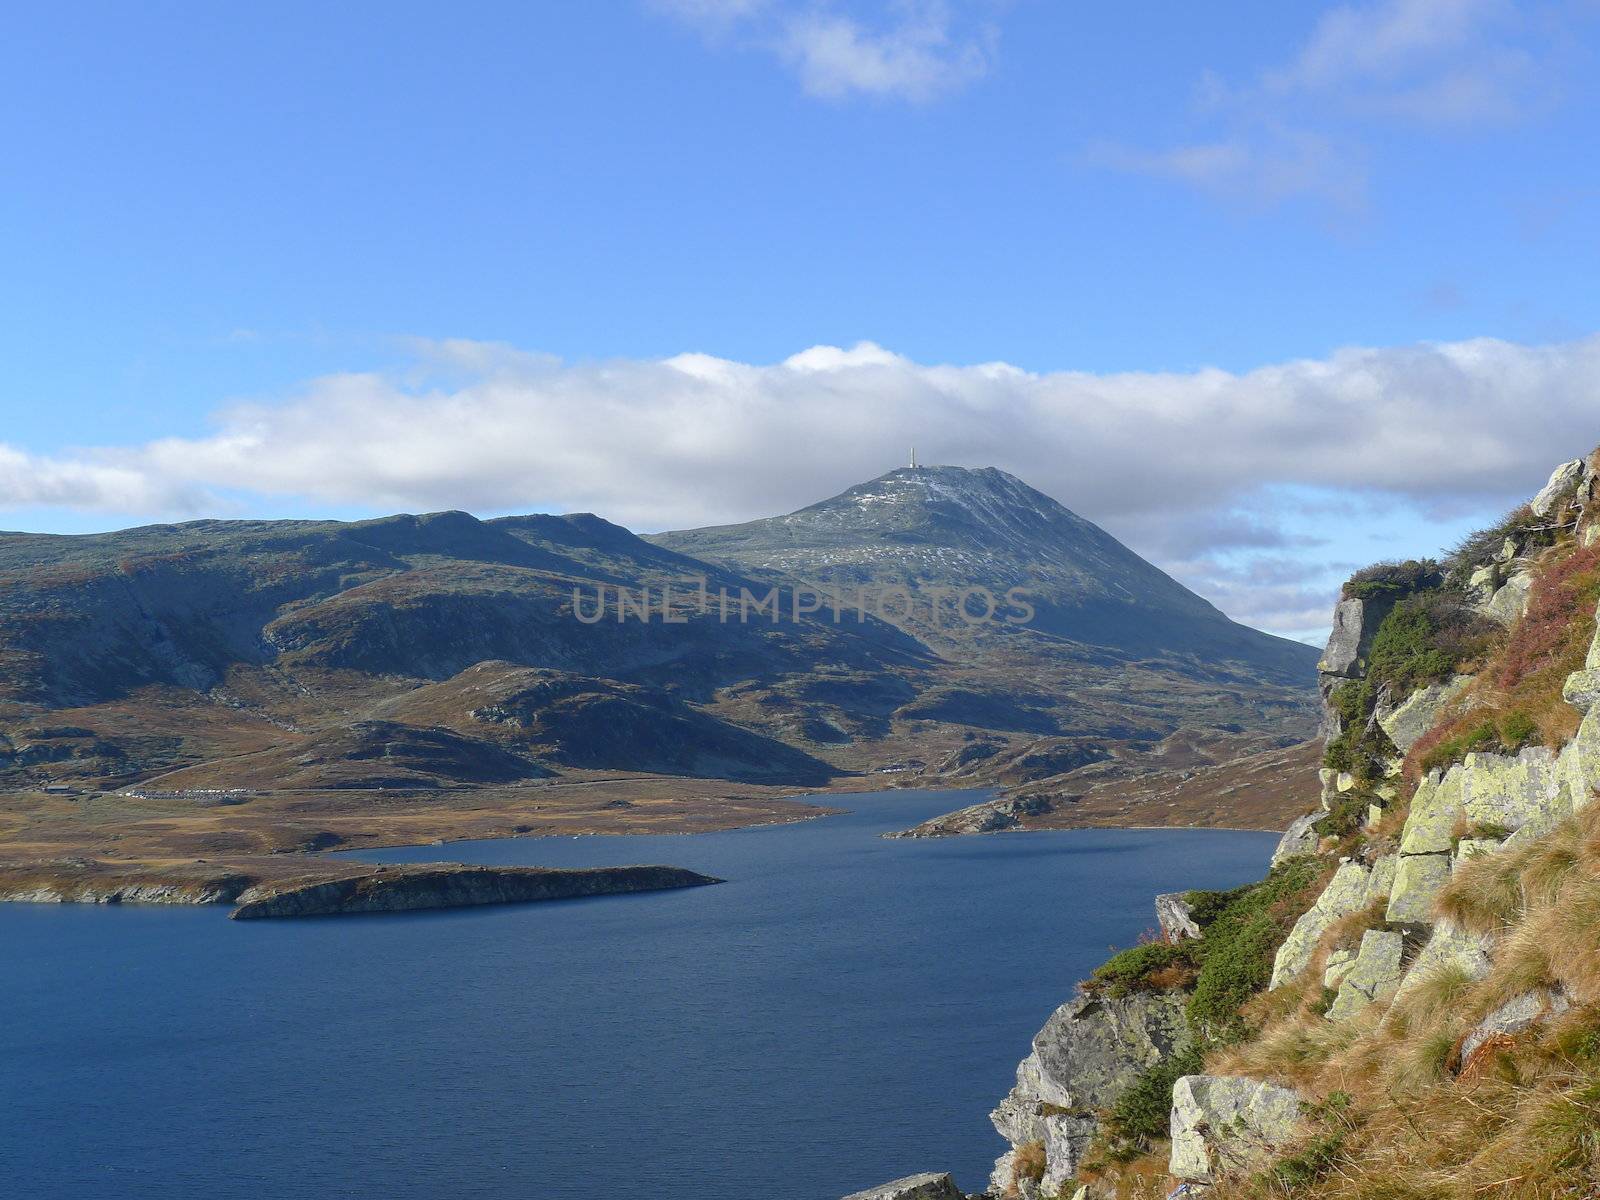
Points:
(390, 889)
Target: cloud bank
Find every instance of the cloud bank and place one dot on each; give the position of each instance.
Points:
(1200, 470)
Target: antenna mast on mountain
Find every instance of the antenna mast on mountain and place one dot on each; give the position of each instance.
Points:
(913, 458)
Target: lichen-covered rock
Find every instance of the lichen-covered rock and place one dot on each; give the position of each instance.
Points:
(1516, 1015)
(1176, 917)
(1222, 1124)
(1338, 966)
(1530, 790)
(1375, 974)
(1582, 689)
(1088, 1054)
(1448, 949)
(1418, 880)
(913, 1187)
(1512, 792)
(1417, 714)
(1579, 762)
(1435, 810)
(1300, 837)
(1346, 893)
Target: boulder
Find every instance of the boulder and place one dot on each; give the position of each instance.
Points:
(1435, 811)
(1448, 949)
(1418, 880)
(1176, 917)
(913, 1187)
(1515, 1016)
(1374, 975)
(1582, 689)
(1510, 600)
(1300, 837)
(1349, 641)
(1563, 480)
(1221, 1124)
(1346, 893)
(1416, 715)
(1531, 790)
(1484, 582)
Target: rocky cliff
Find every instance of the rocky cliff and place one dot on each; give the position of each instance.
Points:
(1409, 1003)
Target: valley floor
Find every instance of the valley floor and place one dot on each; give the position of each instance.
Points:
(186, 847)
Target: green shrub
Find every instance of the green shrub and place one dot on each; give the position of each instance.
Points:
(1390, 580)
(1132, 969)
(1237, 950)
(1141, 1113)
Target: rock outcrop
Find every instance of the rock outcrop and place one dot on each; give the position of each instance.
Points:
(1374, 974)
(1176, 917)
(929, 1186)
(453, 885)
(1223, 1123)
(1088, 1054)
(1515, 1016)
(1353, 887)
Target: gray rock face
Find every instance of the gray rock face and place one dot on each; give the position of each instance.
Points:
(1582, 689)
(1299, 838)
(1176, 917)
(913, 1187)
(1515, 1016)
(1374, 975)
(1223, 1124)
(1562, 480)
(1348, 643)
(1089, 1052)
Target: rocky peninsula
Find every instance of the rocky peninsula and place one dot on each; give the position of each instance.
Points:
(391, 889)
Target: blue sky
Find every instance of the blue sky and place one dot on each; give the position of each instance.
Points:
(366, 209)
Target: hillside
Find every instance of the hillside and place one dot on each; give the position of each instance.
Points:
(1408, 1005)
(415, 667)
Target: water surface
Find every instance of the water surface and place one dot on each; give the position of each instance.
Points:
(844, 1010)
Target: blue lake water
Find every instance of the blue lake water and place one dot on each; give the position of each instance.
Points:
(844, 1010)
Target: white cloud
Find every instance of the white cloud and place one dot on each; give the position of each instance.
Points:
(916, 58)
(1182, 465)
(915, 50)
(1387, 39)
(1254, 167)
(1300, 128)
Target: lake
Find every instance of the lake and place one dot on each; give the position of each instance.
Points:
(844, 1010)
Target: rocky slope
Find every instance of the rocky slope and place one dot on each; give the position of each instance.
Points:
(1409, 1003)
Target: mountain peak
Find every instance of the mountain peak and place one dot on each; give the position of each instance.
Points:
(966, 527)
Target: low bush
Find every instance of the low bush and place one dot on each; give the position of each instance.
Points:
(1140, 1114)
(1144, 968)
